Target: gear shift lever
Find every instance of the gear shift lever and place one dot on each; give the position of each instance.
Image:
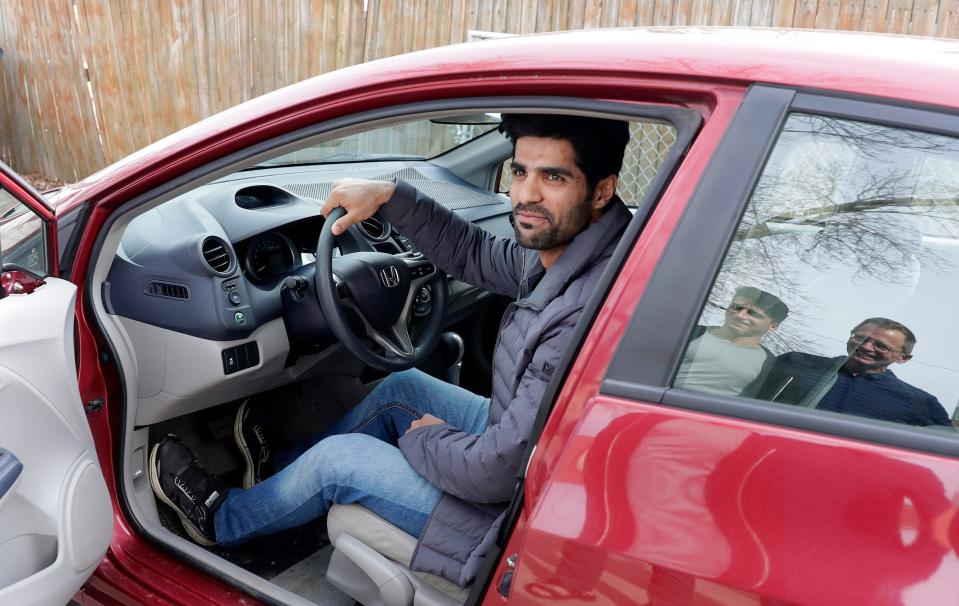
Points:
(453, 349)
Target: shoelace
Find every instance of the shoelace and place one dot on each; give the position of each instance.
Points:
(179, 483)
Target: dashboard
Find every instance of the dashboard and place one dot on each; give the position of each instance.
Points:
(212, 263)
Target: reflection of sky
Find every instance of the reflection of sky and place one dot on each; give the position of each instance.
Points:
(856, 221)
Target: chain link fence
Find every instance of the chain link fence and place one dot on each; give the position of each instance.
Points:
(648, 145)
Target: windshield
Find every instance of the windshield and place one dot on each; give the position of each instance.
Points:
(416, 140)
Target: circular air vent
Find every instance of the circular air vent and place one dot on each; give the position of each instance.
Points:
(375, 229)
(217, 255)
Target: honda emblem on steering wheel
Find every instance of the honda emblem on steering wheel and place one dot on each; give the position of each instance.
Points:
(390, 276)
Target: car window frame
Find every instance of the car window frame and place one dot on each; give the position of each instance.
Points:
(35, 203)
(650, 353)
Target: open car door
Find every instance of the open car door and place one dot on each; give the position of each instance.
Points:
(56, 516)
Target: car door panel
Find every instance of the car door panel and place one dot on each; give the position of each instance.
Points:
(684, 507)
(665, 496)
(56, 520)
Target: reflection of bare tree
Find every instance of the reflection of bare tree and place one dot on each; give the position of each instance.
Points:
(873, 141)
(837, 193)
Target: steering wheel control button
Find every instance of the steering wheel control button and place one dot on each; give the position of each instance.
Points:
(240, 357)
(240, 318)
(423, 303)
(422, 270)
(234, 297)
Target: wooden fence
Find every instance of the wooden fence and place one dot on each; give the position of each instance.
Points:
(85, 82)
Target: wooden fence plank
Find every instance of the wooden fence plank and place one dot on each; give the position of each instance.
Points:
(104, 74)
(544, 15)
(593, 15)
(501, 15)
(700, 12)
(924, 17)
(784, 13)
(827, 14)
(898, 16)
(805, 15)
(874, 15)
(948, 20)
(669, 12)
(627, 13)
(461, 23)
(850, 15)
(561, 19)
(682, 12)
(577, 14)
(722, 13)
(762, 13)
(742, 12)
(610, 13)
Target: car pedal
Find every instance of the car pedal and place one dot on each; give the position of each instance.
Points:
(221, 427)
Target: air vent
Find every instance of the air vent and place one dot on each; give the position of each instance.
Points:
(217, 254)
(376, 229)
(167, 290)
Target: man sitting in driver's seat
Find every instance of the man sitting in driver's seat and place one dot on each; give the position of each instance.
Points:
(432, 458)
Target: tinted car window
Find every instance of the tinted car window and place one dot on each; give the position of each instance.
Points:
(836, 291)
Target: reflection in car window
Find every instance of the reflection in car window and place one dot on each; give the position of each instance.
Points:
(22, 242)
(649, 142)
(855, 228)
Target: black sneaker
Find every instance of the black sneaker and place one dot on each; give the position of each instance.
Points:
(182, 483)
(252, 438)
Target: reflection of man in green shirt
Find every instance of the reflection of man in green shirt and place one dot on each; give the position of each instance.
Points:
(724, 359)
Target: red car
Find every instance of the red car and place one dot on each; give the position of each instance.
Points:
(819, 169)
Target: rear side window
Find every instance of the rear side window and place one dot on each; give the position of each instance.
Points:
(837, 292)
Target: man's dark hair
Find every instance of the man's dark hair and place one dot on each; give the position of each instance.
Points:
(768, 302)
(888, 324)
(598, 143)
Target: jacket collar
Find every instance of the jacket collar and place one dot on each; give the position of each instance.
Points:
(593, 244)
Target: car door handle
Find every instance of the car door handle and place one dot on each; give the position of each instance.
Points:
(10, 468)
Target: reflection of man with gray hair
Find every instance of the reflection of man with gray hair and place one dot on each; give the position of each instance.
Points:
(859, 383)
(725, 359)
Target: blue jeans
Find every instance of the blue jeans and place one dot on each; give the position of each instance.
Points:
(355, 461)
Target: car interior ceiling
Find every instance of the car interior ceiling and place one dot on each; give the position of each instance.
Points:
(170, 362)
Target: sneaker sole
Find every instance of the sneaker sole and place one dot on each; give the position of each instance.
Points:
(241, 444)
(188, 526)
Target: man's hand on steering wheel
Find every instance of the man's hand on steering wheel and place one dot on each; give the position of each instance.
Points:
(360, 198)
(378, 288)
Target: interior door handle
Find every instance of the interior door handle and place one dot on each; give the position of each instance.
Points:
(10, 468)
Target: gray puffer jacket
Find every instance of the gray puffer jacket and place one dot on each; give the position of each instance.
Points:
(477, 472)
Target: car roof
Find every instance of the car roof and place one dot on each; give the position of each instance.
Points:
(908, 69)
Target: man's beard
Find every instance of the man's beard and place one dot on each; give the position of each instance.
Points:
(556, 233)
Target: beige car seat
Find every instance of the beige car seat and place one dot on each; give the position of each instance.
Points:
(371, 563)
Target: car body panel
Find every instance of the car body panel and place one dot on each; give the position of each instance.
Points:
(670, 503)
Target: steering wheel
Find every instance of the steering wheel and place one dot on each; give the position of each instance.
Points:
(381, 289)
